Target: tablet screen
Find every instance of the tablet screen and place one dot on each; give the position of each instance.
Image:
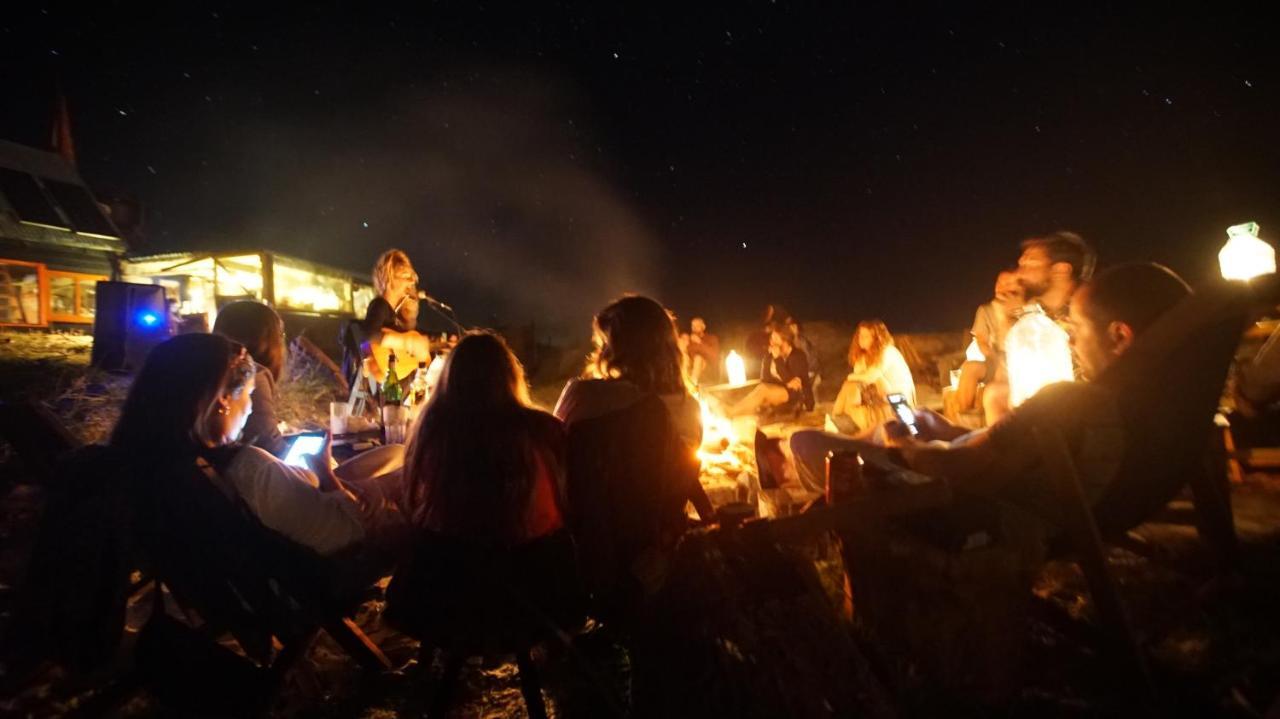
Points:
(303, 445)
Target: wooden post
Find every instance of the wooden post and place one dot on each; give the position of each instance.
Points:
(268, 278)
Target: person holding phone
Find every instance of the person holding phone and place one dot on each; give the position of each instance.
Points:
(190, 402)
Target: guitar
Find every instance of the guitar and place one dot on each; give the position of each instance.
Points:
(375, 362)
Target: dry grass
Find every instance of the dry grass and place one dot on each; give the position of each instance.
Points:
(304, 394)
(89, 400)
(30, 346)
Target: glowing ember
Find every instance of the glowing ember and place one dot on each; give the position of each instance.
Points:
(727, 465)
(735, 369)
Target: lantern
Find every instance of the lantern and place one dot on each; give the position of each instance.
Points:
(735, 368)
(1245, 256)
(1038, 353)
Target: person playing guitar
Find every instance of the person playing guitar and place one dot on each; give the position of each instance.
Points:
(389, 323)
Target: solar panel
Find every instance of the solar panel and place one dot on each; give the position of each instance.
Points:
(28, 200)
(80, 206)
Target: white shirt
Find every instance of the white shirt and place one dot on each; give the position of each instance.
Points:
(895, 374)
(288, 500)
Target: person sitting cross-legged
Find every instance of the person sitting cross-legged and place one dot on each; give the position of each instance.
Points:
(784, 379)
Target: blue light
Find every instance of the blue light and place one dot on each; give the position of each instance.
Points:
(148, 319)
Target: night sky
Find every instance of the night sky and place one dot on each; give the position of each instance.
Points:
(862, 162)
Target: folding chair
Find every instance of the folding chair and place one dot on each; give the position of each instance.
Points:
(231, 576)
(1167, 388)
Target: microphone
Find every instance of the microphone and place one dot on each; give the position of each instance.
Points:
(422, 295)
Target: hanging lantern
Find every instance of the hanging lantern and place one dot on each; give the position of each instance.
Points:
(1038, 353)
(1245, 256)
(735, 368)
(972, 353)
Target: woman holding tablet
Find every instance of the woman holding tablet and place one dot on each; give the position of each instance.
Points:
(188, 406)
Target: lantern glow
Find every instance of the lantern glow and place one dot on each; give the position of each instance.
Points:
(735, 368)
(1038, 352)
(1245, 255)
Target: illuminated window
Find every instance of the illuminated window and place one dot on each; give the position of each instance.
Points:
(72, 296)
(362, 295)
(304, 290)
(20, 294)
(62, 295)
(88, 297)
(239, 277)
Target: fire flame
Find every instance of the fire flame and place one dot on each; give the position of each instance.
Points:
(736, 370)
(717, 438)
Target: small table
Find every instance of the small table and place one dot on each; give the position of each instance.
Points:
(347, 445)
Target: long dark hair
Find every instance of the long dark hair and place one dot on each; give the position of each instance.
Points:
(636, 340)
(258, 328)
(175, 393)
(477, 448)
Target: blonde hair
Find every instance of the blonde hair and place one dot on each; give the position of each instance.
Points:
(386, 266)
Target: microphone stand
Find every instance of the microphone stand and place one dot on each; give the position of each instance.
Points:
(439, 308)
(447, 313)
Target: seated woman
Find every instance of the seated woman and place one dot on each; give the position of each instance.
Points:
(784, 379)
(261, 331)
(636, 355)
(879, 370)
(483, 462)
(190, 402)
(633, 432)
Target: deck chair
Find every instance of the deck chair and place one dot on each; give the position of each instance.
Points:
(231, 576)
(470, 599)
(629, 479)
(1167, 387)
(37, 437)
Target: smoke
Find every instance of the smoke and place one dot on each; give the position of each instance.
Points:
(499, 192)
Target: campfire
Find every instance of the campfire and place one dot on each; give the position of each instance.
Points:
(727, 457)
